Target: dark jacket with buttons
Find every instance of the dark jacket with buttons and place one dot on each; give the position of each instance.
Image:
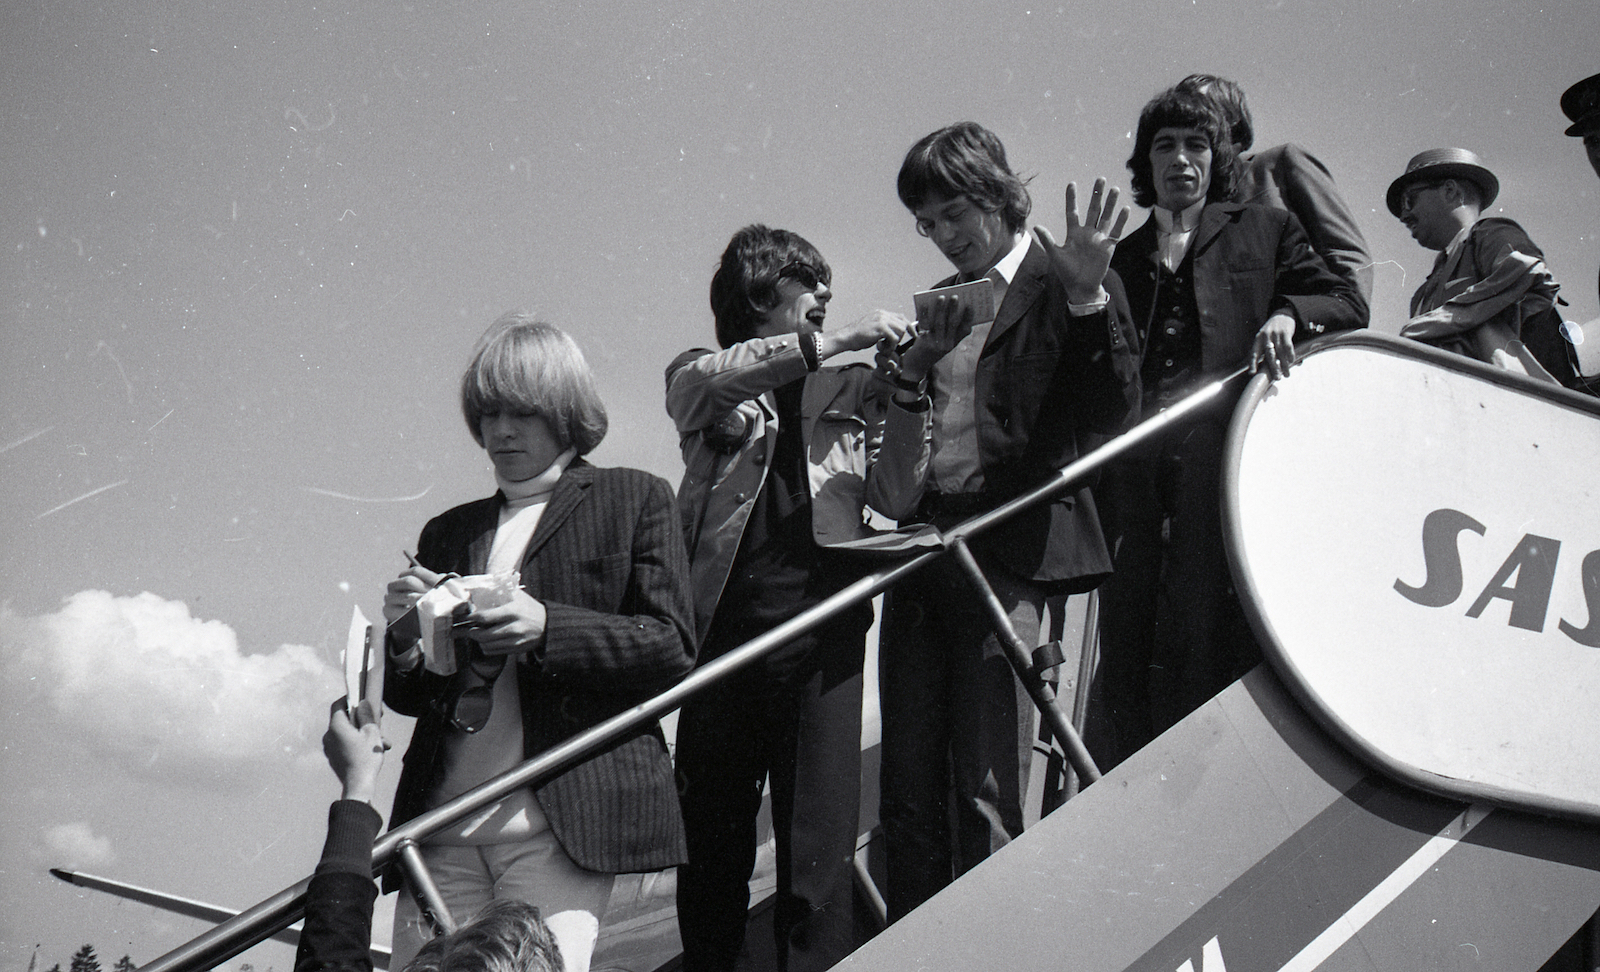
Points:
(1248, 262)
(607, 562)
(1050, 387)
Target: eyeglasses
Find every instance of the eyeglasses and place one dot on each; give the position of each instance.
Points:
(1408, 199)
(804, 274)
(926, 225)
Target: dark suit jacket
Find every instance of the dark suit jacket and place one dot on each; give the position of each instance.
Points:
(1050, 387)
(1289, 177)
(607, 561)
(1249, 261)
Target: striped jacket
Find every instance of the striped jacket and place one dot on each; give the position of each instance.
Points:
(607, 562)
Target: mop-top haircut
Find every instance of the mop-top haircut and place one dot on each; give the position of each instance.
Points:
(527, 367)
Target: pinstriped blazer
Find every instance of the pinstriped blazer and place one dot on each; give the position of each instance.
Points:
(607, 561)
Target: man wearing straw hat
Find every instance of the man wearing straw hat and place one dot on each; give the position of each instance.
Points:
(1490, 295)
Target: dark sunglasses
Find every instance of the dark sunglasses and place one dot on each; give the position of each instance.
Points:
(804, 274)
(1408, 199)
(471, 709)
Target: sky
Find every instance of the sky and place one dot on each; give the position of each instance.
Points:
(247, 249)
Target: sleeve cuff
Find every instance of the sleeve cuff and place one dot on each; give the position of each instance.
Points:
(352, 827)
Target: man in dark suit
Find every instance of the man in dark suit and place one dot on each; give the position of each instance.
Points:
(1006, 403)
(1213, 286)
(1288, 177)
(1581, 104)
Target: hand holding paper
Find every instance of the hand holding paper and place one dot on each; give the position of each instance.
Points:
(362, 671)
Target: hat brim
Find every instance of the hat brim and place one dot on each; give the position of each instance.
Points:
(1438, 172)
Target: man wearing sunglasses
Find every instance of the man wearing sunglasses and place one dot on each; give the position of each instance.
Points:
(1490, 295)
(781, 457)
(1005, 402)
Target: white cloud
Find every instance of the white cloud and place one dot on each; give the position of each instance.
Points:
(76, 845)
(169, 694)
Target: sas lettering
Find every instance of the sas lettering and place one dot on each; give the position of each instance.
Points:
(1524, 580)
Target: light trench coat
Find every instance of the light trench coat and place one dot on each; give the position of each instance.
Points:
(845, 412)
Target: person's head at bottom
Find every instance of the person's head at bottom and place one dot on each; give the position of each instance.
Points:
(506, 936)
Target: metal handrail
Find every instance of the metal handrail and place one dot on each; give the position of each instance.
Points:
(261, 921)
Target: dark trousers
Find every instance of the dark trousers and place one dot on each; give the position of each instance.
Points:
(1172, 632)
(804, 731)
(956, 721)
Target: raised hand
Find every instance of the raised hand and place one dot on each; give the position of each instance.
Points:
(1086, 249)
(355, 748)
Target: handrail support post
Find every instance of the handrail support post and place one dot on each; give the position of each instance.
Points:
(1021, 658)
(419, 880)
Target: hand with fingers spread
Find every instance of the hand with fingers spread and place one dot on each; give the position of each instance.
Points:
(1086, 249)
(1274, 344)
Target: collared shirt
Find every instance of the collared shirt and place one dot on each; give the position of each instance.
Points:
(954, 464)
(1175, 231)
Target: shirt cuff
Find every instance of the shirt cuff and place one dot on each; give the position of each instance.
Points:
(1101, 299)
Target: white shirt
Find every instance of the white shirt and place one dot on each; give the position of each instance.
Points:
(1175, 231)
(954, 463)
(471, 759)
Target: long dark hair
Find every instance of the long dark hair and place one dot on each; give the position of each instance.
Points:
(965, 159)
(745, 286)
(1175, 108)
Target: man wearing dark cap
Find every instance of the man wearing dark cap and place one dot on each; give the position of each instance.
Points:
(1490, 295)
(1581, 103)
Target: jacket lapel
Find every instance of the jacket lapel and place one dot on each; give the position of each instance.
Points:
(1435, 290)
(569, 493)
(1212, 220)
(1141, 242)
(1024, 289)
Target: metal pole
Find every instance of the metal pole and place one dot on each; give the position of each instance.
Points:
(285, 908)
(423, 886)
(1021, 658)
(869, 888)
(1088, 658)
